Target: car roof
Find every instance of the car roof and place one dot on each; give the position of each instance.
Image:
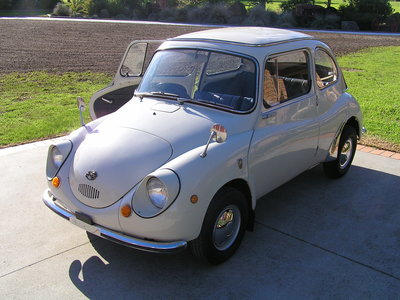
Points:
(251, 36)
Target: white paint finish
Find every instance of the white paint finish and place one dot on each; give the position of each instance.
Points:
(273, 149)
(244, 35)
(284, 144)
(119, 157)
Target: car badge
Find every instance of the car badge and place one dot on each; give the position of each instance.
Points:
(91, 175)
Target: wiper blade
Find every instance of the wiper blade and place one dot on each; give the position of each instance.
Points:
(163, 95)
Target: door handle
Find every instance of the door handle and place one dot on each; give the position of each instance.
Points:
(106, 100)
(268, 115)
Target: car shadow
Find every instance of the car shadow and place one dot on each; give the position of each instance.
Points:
(312, 235)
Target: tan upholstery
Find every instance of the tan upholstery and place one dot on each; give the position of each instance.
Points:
(320, 83)
(274, 90)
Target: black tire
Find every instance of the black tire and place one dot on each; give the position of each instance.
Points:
(346, 151)
(218, 241)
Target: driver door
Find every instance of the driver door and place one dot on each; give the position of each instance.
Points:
(129, 74)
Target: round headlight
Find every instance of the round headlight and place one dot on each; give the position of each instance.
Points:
(157, 191)
(57, 156)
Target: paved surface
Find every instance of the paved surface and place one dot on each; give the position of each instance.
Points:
(314, 238)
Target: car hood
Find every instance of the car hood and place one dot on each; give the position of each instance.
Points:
(131, 143)
(108, 163)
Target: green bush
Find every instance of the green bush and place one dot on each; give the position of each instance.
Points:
(78, 7)
(286, 19)
(61, 9)
(326, 22)
(289, 5)
(365, 12)
(258, 16)
(219, 14)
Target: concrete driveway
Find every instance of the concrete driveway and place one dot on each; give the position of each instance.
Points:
(314, 238)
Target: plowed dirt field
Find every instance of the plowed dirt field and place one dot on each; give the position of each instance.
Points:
(30, 45)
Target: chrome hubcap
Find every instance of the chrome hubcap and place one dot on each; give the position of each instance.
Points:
(226, 228)
(345, 154)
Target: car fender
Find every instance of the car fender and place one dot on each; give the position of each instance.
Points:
(353, 114)
(200, 176)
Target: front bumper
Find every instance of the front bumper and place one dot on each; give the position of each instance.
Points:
(116, 237)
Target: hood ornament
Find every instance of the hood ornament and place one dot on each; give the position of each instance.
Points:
(91, 175)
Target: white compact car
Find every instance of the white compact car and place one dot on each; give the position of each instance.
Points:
(177, 155)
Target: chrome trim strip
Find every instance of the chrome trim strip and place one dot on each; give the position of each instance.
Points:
(116, 237)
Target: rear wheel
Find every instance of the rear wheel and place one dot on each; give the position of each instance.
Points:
(347, 149)
(223, 227)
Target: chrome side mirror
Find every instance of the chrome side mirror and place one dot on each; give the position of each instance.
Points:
(218, 134)
(81, 107)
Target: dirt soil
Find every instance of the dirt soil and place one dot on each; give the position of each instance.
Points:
(30, 45)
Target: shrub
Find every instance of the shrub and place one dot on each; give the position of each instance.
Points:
(365, 12)
(258, 16)
(116, 7)
(286, 19)
(218, 14)
(169, 14)
(198, 15)
(78, 7)
(61, 9)
(290, 5)
(326, 22)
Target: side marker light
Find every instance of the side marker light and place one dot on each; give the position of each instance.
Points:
(194, 199)
(56, 181)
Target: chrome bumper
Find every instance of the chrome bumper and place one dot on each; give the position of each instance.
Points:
(116, 237)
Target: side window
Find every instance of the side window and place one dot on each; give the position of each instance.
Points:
(325, 68)
(138, 58)
(286, 76)
(134, 59)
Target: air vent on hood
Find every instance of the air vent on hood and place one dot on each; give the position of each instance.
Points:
(88, 191)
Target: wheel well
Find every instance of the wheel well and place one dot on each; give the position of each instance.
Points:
(242, 186)
(353, 123)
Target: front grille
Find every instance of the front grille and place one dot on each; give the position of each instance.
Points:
(88, 191)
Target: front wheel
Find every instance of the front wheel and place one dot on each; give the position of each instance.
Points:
(347, 149)
(223, 227)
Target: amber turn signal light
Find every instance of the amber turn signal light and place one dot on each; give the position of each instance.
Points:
(56, 181)
(126, 211)
(194, 199)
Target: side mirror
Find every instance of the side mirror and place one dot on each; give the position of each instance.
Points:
(218, 134)
(81, 107)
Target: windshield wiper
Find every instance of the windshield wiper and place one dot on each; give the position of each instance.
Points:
(163, 95)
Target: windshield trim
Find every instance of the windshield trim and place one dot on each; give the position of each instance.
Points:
(218, 107)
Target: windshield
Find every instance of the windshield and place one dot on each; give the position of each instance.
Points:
(212, 78)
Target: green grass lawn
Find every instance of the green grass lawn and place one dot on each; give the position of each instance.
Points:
(373, 78)
(24, 13)
(39, 105)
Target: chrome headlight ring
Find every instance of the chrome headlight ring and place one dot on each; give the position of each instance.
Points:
(56, 157)
(156, 193)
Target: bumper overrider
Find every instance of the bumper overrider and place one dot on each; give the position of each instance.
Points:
(116, 237)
